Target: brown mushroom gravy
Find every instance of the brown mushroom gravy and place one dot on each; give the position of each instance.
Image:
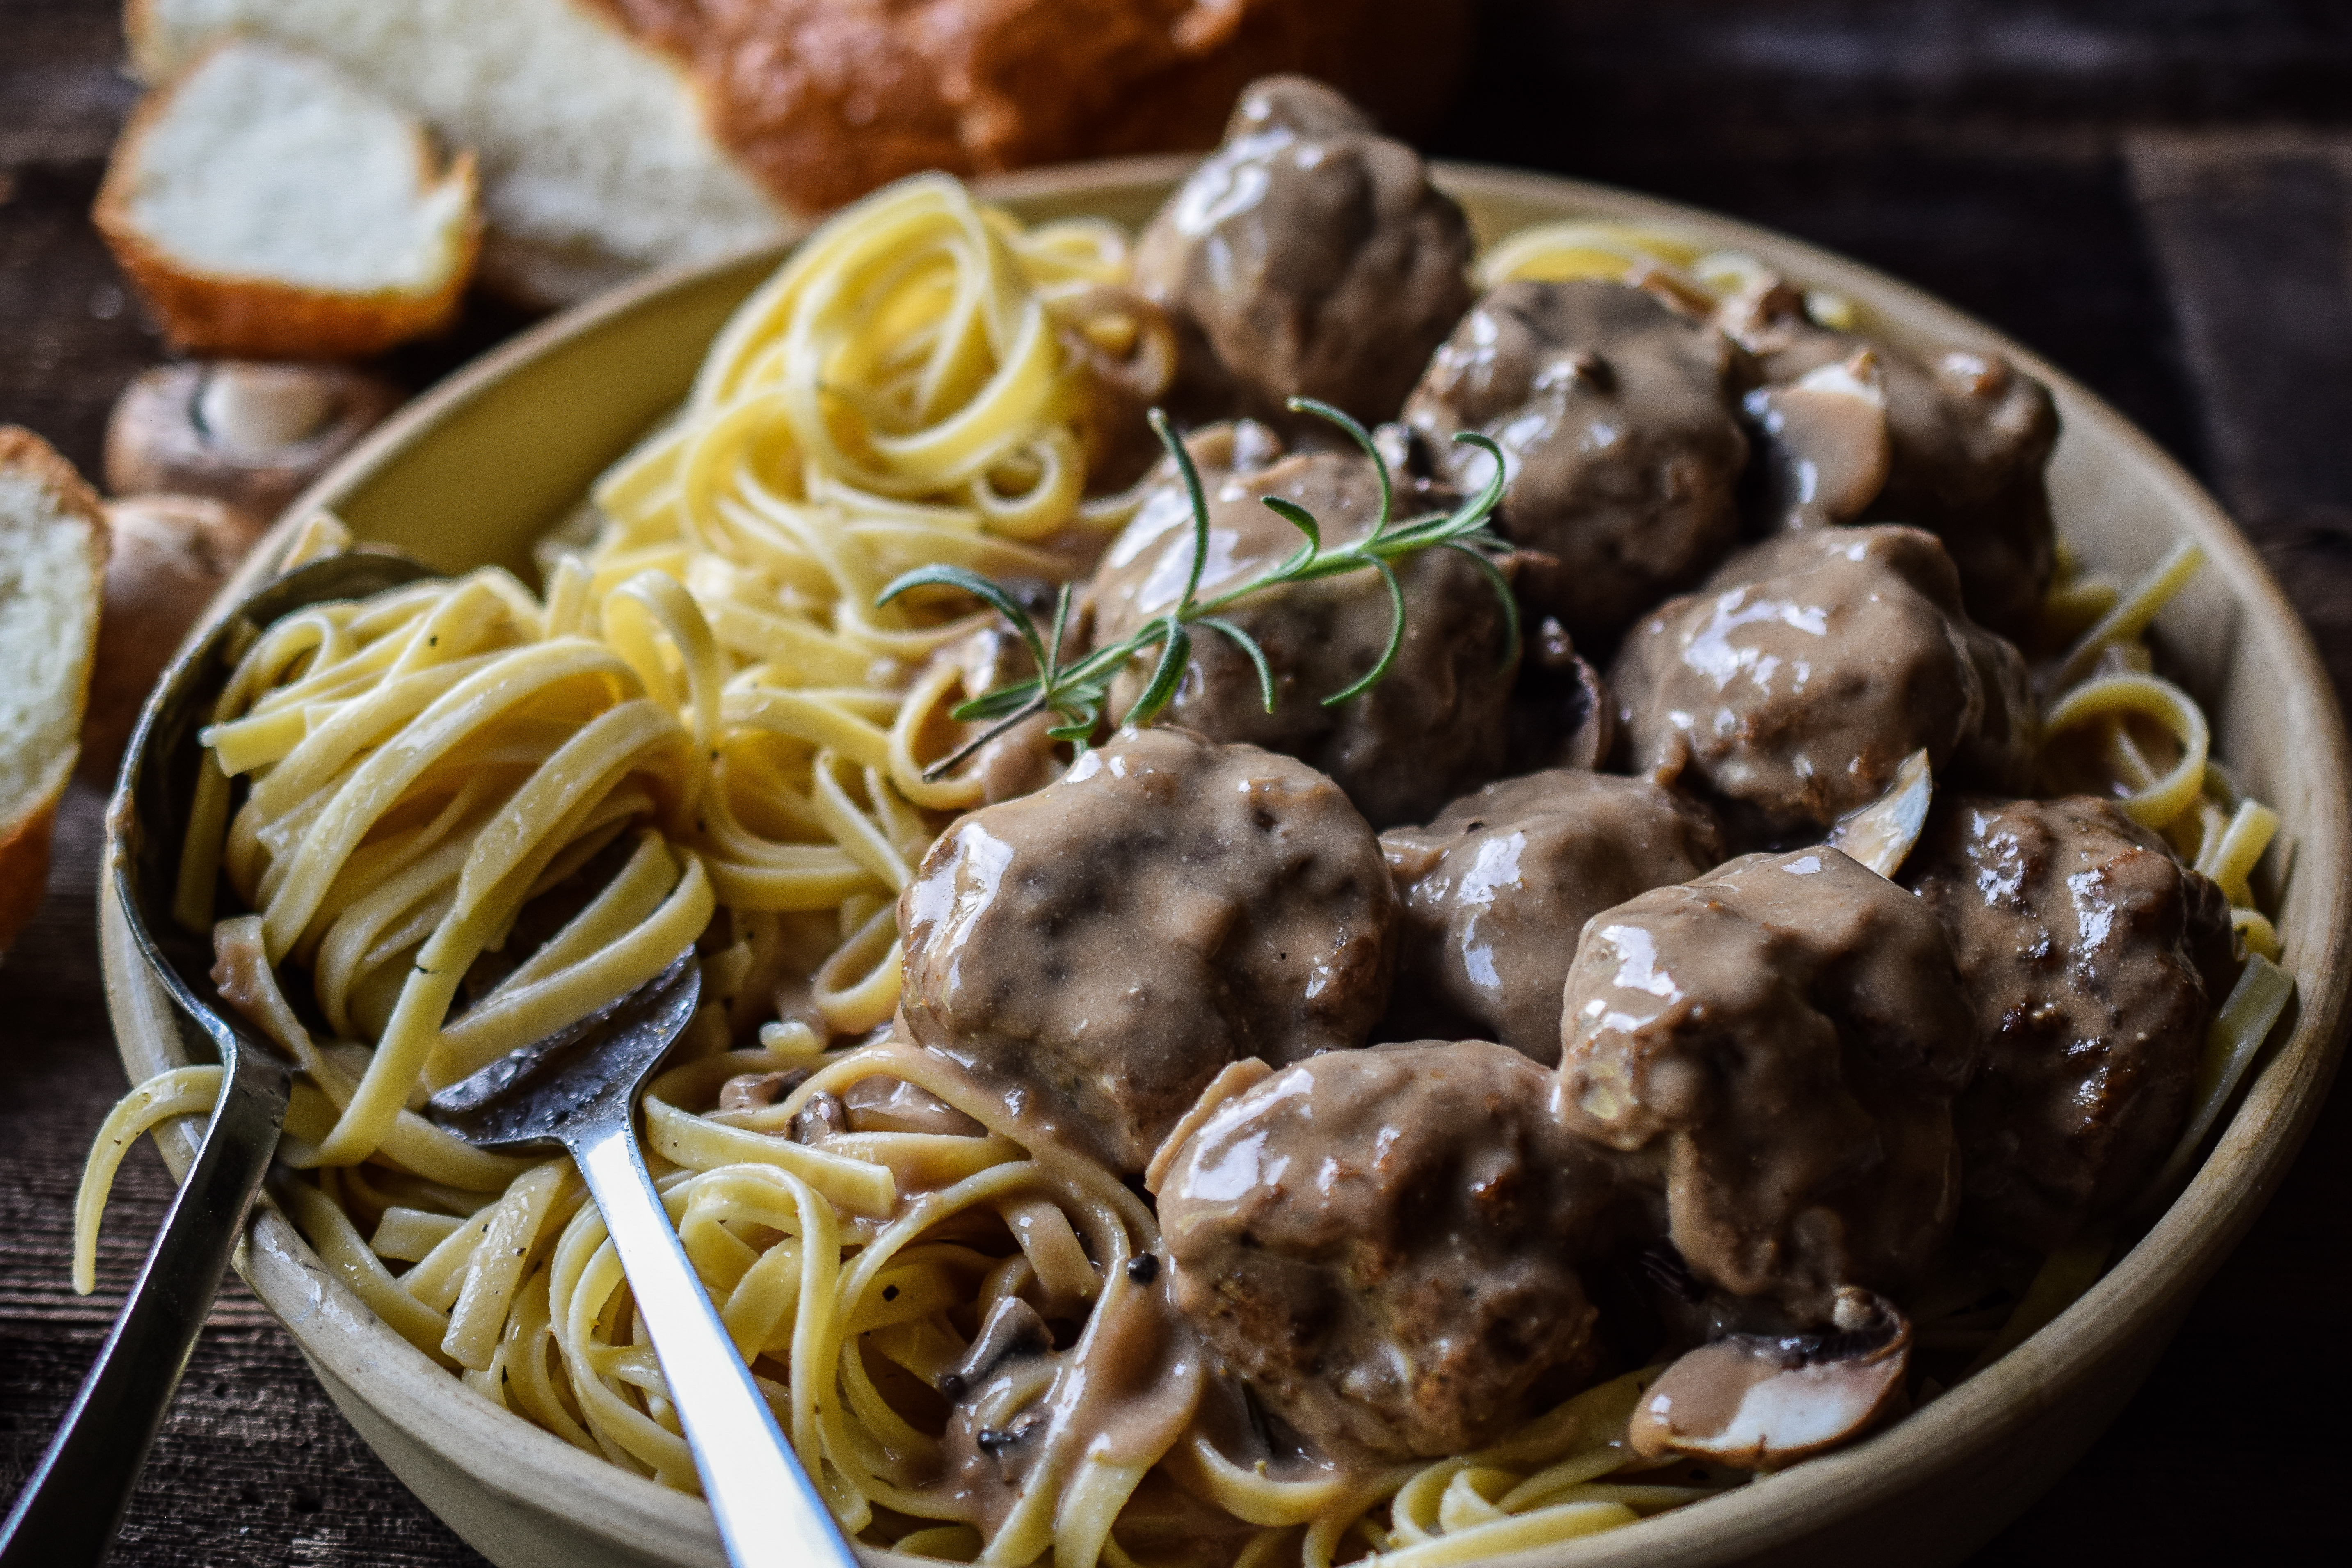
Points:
(1791, 689)
(1618, 429)
(2093, 959)
(1307, 257)
(1442, 1066)
(1109, 944)
(1497, 889)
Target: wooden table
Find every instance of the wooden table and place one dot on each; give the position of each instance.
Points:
(2158, 195)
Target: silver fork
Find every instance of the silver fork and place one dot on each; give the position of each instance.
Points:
(577, 1091)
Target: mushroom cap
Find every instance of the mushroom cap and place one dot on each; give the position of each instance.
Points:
(175, 428)
(168, 555)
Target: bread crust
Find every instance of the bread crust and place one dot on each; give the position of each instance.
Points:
(24, 824)
(824, 99)
(217, 313)
(25, 869)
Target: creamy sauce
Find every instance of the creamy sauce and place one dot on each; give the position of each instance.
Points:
(1615, 418)
(2092, 957)
(1795, 686)
(1307, 256)
(1790, 1033)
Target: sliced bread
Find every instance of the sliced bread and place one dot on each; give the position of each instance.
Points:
(270, 207)
(595, 163)
(52, 564)
(620, 134)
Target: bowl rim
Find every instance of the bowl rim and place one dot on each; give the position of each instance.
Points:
(2138, 1299)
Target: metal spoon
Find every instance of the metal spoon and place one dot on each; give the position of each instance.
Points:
(69, 1510)
(577, 1090)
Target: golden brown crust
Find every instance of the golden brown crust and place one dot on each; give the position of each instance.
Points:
(824, 99)
(25, 824)
(24, 869)
(23, 452)
(256, 318)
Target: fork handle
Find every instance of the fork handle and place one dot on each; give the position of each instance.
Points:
(768, 1512)
(69, 1510)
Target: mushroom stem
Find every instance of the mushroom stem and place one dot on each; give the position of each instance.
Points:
(254, 408)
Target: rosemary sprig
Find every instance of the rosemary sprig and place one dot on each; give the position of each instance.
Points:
(1077, 691)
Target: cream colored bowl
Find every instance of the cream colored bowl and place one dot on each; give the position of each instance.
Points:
(478, 468)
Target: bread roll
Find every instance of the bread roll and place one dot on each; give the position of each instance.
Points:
(52, 558)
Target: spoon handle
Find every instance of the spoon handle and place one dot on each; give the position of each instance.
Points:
(67, 1513)
(768, 1511)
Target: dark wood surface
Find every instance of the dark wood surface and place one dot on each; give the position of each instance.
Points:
(2157, 194)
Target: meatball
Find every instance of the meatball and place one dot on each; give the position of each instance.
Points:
(1794, 686)
(1306, 256)
(1496, 890)
(1111, 942)
(1970, 437)
(1615, 417)
(1384, 1243)
(2093, 960)
(1435, 726)
(1783, 1039)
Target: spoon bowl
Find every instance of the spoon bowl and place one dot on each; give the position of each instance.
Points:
(156, 790)
(70, 1507)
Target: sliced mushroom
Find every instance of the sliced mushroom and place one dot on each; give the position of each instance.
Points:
(1014, 1331)
(1758, 1402)
(1881, 834)
(822, 1116)
(1128, 346)
(1561, 713)
(759, 1090)
(1824, 442)
(250, 436)
(894, 1105)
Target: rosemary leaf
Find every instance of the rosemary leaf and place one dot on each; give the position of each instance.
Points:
(1175, 652)
(1372, 677)
(1248, 645)
(979, 587)
(1501, 587)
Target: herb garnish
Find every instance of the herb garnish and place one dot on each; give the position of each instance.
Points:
(1077, 691)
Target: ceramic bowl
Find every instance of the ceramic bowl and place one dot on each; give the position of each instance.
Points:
(475, 470)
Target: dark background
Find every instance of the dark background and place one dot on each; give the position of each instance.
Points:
(2154, 194)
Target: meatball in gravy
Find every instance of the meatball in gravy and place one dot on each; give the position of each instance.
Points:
(1435, 727)
(2094, 959)
(1969, 437)
(1106, 946)
(1496, 888)
(1616, 417)
(1794, 686)
(1781, 1040)
(1306, 256)
(1384, 1243)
